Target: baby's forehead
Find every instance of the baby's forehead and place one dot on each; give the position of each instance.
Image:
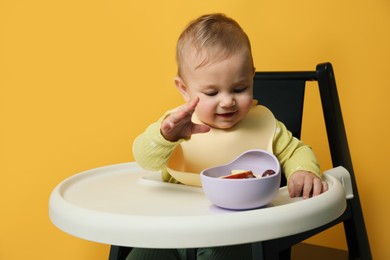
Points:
(194, 58)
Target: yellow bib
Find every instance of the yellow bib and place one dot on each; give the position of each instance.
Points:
(221, 146)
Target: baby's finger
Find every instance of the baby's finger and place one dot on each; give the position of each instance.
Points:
(299, 184)
(290, 186)
(198, 129)
(317, 186)
(193, 103)
(189, 108)
(307, 187)
(174, 118)
(324, 186)
(185, 111)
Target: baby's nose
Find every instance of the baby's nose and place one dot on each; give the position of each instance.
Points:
(227, 101)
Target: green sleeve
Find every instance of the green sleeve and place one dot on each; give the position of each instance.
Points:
(293, 154)
(151, 151)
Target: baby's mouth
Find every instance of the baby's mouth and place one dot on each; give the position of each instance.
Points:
(226, 115)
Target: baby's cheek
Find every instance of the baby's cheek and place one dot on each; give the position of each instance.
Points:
(205, 106)
(246, 103)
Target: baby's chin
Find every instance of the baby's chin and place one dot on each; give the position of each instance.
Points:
(223, 125)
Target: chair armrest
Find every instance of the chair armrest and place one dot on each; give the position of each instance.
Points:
(344, 177)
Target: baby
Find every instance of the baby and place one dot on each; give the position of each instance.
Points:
(215, 78)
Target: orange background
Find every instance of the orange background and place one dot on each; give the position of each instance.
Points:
(80, 79)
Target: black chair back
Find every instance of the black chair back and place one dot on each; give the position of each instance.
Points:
(283, 93)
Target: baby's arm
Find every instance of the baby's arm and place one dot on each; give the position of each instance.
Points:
(151, 151)
(299, 164)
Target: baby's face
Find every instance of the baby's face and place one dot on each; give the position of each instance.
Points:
(225, 90)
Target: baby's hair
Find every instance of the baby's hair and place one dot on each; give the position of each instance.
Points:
(215, 36)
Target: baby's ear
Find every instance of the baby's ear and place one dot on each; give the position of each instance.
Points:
(181, 86)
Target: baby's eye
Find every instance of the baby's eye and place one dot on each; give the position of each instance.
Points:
(239, 90)
(211, 93)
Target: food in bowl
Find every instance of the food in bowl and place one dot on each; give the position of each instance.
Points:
(239, 175)
(244, 174)
(268, 172)
(248, 193)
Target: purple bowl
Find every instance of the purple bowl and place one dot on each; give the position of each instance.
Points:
(239, 194)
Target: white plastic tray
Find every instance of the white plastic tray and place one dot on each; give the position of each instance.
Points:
(125, 205)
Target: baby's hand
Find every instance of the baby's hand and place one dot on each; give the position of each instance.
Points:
(306, 184)
(178, 125)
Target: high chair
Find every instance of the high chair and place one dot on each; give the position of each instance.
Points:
(283, 93)
(125, 206)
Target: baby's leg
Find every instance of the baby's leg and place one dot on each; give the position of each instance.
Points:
(153, 254)
(225, 252)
